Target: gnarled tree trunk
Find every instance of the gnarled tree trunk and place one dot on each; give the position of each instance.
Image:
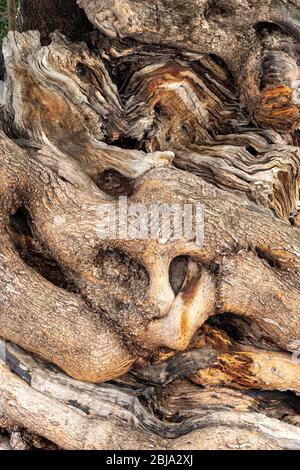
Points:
(130, 341)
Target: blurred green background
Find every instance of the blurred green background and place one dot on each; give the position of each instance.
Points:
(4, 19)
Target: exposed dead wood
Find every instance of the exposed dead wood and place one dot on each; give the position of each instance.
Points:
(264, 370)
(81, 416)
(231, 30)
(258, 164)
(266, 171)
(246, 366)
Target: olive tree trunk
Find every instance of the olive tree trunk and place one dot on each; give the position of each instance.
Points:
(131, 341)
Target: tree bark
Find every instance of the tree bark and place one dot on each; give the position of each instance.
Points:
(178, 104)
(47, 16)
(11, 12)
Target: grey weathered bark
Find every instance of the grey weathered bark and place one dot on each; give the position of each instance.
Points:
(190, 103)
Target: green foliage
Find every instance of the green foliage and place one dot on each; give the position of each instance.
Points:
(4, 19)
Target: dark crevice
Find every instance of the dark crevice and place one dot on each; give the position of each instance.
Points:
(242, 330)
(265, 28)
(228, 324)
(81, 70)
(115, 184)
(270, 402)
(251, 150)
(177, 272)
(218, 10)
(79, 406)
(20, 222)
(292, 219)
(149, 403)
(271, 260)
(18, 368)
(33, 253)
(128, 143)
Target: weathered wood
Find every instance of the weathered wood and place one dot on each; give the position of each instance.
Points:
(107, 416)
(172, 103)
(261, 369)
(246, 366)
(266, 172)
(165, 91)
(231, 30)
(130, 321)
